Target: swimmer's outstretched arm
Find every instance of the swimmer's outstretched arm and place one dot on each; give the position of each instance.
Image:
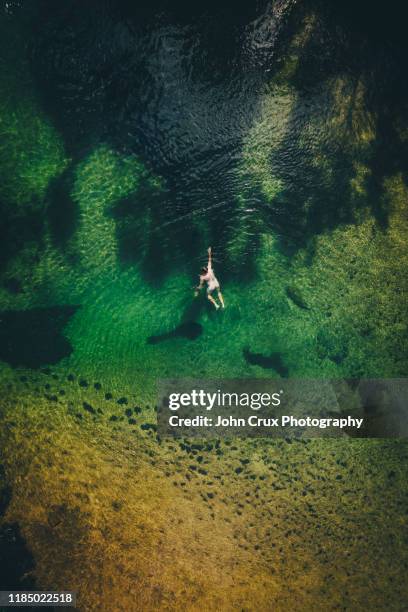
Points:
(209, 259)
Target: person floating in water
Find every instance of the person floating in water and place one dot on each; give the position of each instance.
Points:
(207, 276)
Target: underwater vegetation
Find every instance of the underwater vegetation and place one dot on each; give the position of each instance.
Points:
(152, 521)
(132, 138)
(119, 229)
(31, 150)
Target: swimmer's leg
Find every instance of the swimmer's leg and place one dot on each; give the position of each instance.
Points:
(210, 297)
(220, 298)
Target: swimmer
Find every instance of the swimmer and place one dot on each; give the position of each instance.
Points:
(207, 276)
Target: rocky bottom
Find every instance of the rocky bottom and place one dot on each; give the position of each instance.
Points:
(91, 500)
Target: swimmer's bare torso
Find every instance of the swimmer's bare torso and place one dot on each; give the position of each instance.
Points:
(207, 276)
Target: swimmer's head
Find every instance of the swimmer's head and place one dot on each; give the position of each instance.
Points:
(204, 270)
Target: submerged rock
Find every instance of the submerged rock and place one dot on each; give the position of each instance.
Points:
(147, 426)
(296, 296)
(89, 408)
(273, 361)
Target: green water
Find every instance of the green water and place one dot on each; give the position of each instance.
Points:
(132, 137)
(102, 231)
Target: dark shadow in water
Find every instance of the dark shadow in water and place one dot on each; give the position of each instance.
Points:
(367, 52)
(5, 492)
(62, 210)
(141, 237)
(190, 330)
(93, 61)
(19, 228)
(16, 560)
(105, 76)
(188, 327)
(12, 284)
(217, 26)
(384, 33)
(33, 338)
(109, 91)
(167, 247)
(150, 233)
(5, 498)
(312, 202)
(389, 158)
(130, 230)
(273, 361)
(138, 217)
(296, 296)
(194, 309)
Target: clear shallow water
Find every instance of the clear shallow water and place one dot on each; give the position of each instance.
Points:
(130, 140)
(142, 136)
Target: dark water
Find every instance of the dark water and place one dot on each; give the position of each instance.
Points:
(180, 86)
(174, 85)
(258, 129)
(33, 338)
(134, 135)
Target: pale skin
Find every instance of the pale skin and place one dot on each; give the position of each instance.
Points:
(207, 276)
